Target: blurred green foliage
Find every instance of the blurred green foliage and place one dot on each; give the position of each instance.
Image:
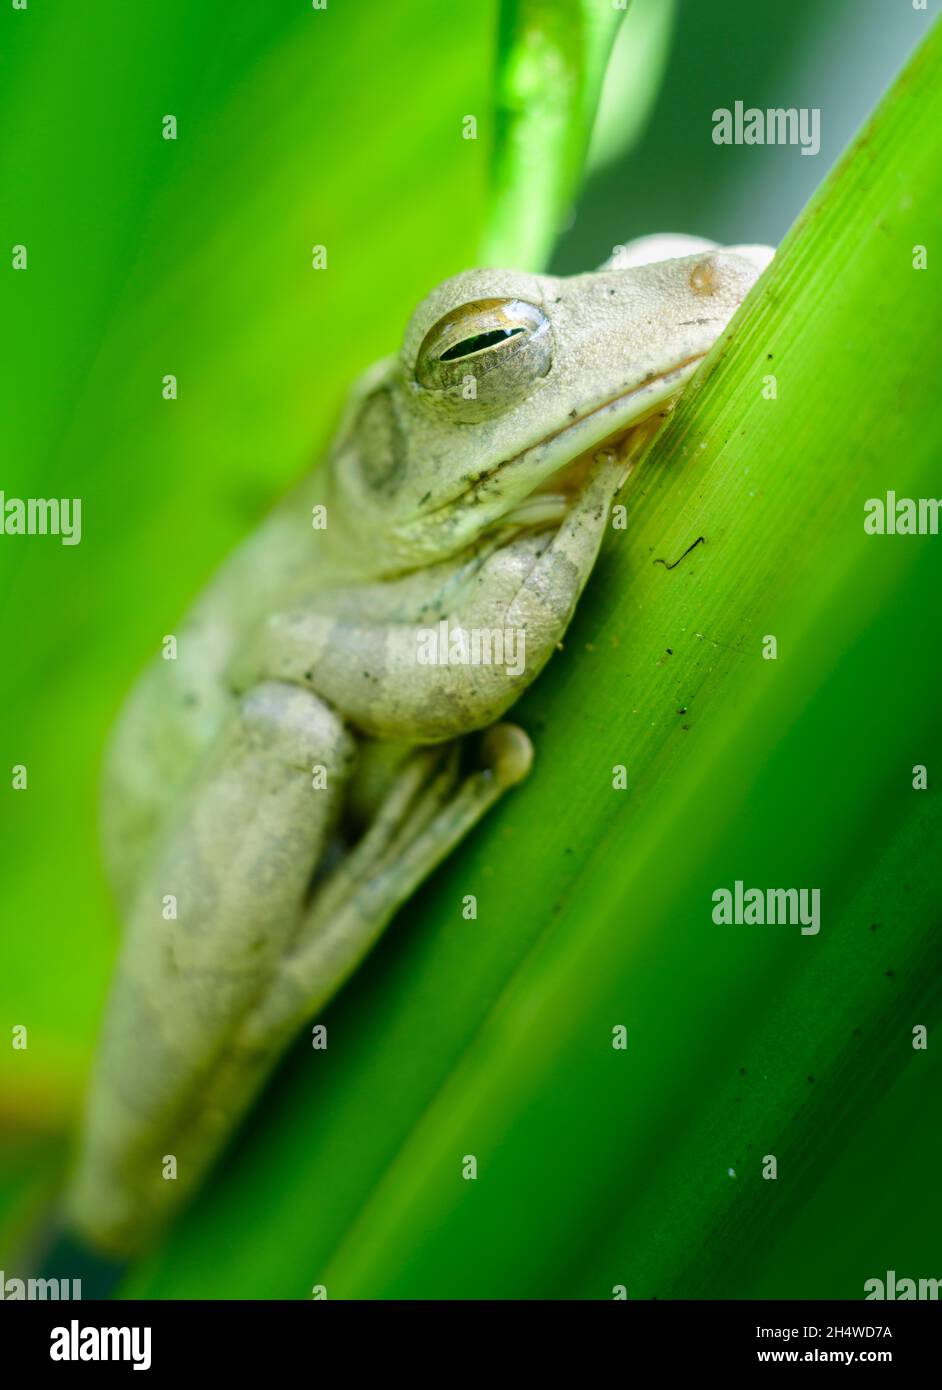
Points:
(344, 128)
(550, 61)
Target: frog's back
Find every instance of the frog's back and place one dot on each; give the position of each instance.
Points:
(181, 701)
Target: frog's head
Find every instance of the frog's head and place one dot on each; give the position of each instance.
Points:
(506, 381)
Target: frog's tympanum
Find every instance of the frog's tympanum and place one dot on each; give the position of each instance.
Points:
(278, 789)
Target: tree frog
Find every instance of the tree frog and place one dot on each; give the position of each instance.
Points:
(277, 789)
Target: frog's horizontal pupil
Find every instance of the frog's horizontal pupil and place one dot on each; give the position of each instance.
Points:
(478, 343)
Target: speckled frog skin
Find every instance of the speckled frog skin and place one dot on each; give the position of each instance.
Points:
(275, 792)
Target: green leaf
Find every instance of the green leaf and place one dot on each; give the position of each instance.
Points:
(552, 56)
(632, 79)
(600, 1167)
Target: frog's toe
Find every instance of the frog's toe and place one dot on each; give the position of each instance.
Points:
(508, 752)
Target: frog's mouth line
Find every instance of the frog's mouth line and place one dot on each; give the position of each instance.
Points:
(610, 425)
(606, 424)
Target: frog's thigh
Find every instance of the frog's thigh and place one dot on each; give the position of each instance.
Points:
(218, 907)
(428, 811)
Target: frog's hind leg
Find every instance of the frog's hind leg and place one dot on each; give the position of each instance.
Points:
(429, 809)
(120, 1192)
(214, 914)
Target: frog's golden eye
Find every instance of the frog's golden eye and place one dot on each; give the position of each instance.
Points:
(491, 351)
(470, 347)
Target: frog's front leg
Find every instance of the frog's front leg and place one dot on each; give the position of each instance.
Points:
(523, 592)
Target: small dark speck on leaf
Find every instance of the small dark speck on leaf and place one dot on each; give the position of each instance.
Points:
(309, 675)
(890, 974)
(874, 925)
(669, 652)
(742, 1071)
(699, 541)
(682, 710)
(811, 1079)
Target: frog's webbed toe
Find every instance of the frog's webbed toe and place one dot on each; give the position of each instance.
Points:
(430, 808)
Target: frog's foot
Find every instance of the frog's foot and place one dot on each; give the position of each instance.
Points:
(666, 246)
(429, 809)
